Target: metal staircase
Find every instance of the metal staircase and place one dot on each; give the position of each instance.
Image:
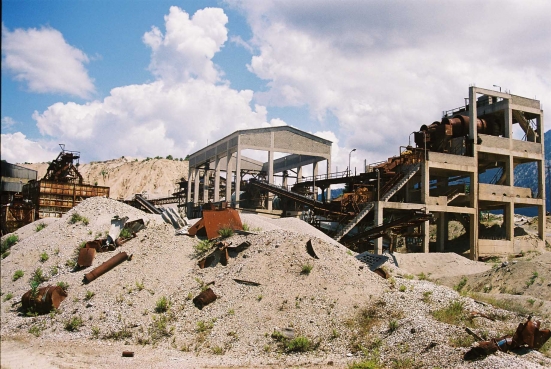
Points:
(348, 227)
(404, 179)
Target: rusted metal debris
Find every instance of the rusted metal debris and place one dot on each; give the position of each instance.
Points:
(215, 220)
(204, 298)
(381, 273)
(527, 334)
(128, 354)
(310, 249)
(46, 299)
(107, 266)
(248, 283)
(86, 256)
(100, 245)
(222, 253)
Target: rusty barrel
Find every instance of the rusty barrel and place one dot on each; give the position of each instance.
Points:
(47, 298)
(86, 257)
(105, 267)
(204, 298)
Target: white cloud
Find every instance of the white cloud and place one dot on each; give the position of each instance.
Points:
(152, 119)
(383, 69)
(17, 148)
(188, 45)
(8, 123)
(45, 61)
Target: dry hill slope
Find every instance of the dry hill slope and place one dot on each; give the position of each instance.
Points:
(128, 176)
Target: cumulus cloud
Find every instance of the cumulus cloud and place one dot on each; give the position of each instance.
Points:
(17, 148)
(8, 123)
(45, 61)
(383, 69)
(186, 49)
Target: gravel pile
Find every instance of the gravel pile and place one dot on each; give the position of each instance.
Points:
(321, 299)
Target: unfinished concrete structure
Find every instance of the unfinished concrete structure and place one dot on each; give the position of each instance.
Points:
(225, 156)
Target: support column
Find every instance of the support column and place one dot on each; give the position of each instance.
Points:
(425, 182)
(216, 179)
(270, 176)
(509, 219)
(442, 231)
(228, 177)
(425, 229)
(378, 220)
(206, 181)
(473, 190)
(328, 197)
(299, 174)
(196, 188)
(541, 208)
(237, 176)
(188, 197)
(315, 173)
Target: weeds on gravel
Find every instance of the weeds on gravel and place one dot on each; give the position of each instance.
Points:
(306, 268)
(71, 263)
(162, 305)
(119, 335)
(36, 330)
(89, 295)
(7, 244)
(202, 247)
(402, 288)
(74, 324)
(54, 270)
(44, 257)
(225, 232)
(8, 296)
(463, 340)
(139, 285)
(299, 344)
(454, 314)
(125, 233)
(18, 274)
(426, 296)
(532, 279)
(360, 326)
(76, 217)
(95, 331)
(217, 350)
(365, 364)
(502, 304)
(392, 325)
(38, 276)
(422, 277)
(64, 286)
(40, 226)
(203, 326)
(461, 284)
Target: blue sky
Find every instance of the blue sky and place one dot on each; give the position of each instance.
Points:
(147, 78)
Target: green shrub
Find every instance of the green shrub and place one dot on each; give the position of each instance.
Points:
(225, 232)
(18, 274)
(7, 244)
(89, 295)
(54, 270)
(298, 344)
(306, 268)
(40, 226)
(125, 233)
(74, 324)
(8, 296)
(76, 217)
(392, 325)
(44, 257)
(203, 246)
(38, 276)
(162, 305)
(454, 314)
(461, 284)
(403, 288)
(246, 227)
(64, 286)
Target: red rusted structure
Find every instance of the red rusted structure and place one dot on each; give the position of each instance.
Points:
(86, 257)
(214, 220)
(46, 299)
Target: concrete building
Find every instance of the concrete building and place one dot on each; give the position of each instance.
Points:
(225, 156)
(467, 169)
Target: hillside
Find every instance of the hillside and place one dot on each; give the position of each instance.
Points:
(127, 176)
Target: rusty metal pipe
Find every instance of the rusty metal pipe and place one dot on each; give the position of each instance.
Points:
(105, 267)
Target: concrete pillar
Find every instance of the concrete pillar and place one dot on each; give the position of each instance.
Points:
(315, 173)
(299, 174)
(425, 229)
(188, 197)
(237, 176)
(378, 220)
(270, 176)
(196, 187)
(508, 118)
(425, 182)
(217, 179)
(509, 219)
(442, 231)
(328, 197)
(228, 177)
(206, 180)
(473, 136)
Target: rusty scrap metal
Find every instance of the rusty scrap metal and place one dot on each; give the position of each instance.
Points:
(527, 334)
(107, 266)
(204, 298)
(86, 257)
(310, 249)
(381, 273)
(128, 354)
(248, 283)
(46, 299)
(214, 220)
